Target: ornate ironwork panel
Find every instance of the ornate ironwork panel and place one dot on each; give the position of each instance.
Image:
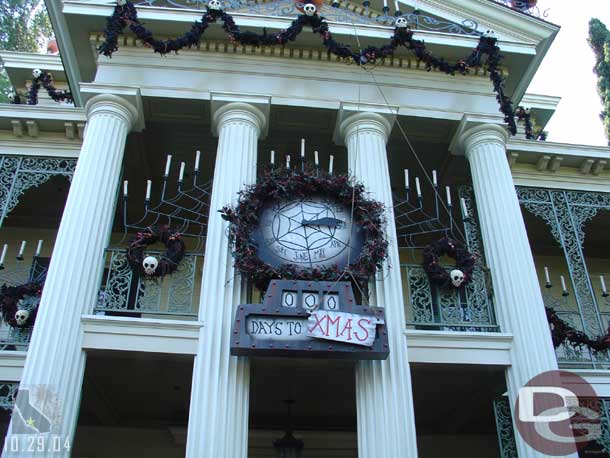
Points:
(447, 309)
(566, 213)
(20, 173)
(8, 394)
(125, 293)
(505, 429)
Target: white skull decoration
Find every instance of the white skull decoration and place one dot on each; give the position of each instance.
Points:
(21, 316)
(457, 277)
(36, 72)
(215, 5)
(309, 9)
(150, 264)
(121, 2)
(401, 22)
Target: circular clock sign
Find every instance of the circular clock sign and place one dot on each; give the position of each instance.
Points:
(309, 232)
(306, 226)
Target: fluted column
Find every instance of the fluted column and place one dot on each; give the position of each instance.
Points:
(518, 300)
(218, 419)
(55, 361)
(386, 422)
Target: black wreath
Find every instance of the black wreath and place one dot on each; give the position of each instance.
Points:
(169, 261)
(464, 261)
(10, 297)
(290, 185)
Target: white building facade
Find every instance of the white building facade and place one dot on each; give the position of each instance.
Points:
(119, 365)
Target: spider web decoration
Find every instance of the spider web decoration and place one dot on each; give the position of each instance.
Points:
(415, 223)
(184, 210)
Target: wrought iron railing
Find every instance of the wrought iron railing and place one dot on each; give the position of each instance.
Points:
(433, 308)
(525, 6)
(128, 294)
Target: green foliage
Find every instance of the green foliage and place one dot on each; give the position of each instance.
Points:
(599, 40)
(24, 26)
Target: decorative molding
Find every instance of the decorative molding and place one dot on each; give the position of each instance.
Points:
(11, 365)
(140, 334)
(438, 347)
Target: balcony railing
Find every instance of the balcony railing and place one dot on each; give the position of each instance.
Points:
(124, 293)
(428, 307)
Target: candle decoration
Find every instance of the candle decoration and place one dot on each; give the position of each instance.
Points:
(21, 250)
(168, 164)
(197, 158)
(547, 278)
(38, 249)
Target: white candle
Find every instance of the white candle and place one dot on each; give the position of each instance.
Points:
(407, 179)
(448, 192)
(330, 164)
(181, 176)
(601, 280)
(272, 157)
(396, 7)
(315, 158)
(3, 255)
(464, 208)
(547, 276)
(21, 249)
(385, 3)
(417, 187)
(39, 248)
(125, 188)
(197, 157)
(563, 284)
(302, 148)
(148, 188)
(288, 161)
(434, 178)
(167, 164)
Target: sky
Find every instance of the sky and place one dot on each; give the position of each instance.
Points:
(567, 72)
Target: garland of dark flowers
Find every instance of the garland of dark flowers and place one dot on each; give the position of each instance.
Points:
(562, 332)
(525, 115)
(10, 297)
(169, 261)
(464, 260)
(46, 81)
(126, 15)
(285, 184)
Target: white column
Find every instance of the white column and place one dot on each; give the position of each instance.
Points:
(386, 422)
(218, 419)
(518, 300)
(55, 359)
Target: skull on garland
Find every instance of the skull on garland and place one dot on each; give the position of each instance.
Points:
(215, 5)
(457, 277)
(21, 316)
(36, 72)
(401, 22)
(121, 2)
(309, 9)
(150, 265)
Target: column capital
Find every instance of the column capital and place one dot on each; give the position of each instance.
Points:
(122, 101)
(250, 109)
(468, 136)
(350, 122)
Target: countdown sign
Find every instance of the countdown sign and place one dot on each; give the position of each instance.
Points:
(310, 319)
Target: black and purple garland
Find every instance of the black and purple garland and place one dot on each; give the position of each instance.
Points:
(126, 15)
(44, 79)
(464, 261)
(9, 301)
(285, 184)
(175, 249)
(525, 115)
(562, 332)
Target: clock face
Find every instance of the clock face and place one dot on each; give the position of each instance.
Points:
(309, 233)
